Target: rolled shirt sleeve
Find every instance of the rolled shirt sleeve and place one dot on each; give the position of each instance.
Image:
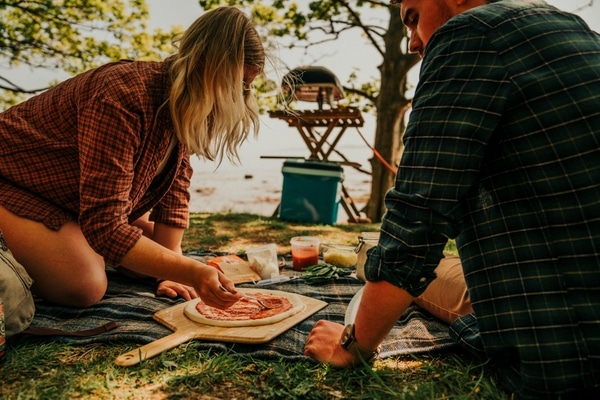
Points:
(173, 208)
(456, 108)
(122, 141)
(109, 143)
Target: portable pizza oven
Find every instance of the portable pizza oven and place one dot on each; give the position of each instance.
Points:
(312, 84)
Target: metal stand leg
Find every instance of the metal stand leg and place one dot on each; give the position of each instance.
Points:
(351, 209)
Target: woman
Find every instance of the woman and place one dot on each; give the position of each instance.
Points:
(96, 170)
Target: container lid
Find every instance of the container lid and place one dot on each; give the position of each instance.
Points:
(313, 164)
(258, 249)
(338, 175)
(305, 241)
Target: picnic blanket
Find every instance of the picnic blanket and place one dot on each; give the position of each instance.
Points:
(132, 303)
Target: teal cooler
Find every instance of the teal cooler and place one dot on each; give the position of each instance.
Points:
(311, 191)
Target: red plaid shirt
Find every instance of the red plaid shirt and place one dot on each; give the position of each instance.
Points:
(88, 150)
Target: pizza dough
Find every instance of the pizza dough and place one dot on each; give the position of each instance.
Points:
(216, 317)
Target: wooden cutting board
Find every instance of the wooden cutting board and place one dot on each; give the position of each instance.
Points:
(184, 329)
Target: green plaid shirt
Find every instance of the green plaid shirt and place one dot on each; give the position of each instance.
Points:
(502, 152)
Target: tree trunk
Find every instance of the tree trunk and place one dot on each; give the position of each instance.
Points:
(392, 106)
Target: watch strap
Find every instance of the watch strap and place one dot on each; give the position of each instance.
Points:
(349, 343)
(368, 356)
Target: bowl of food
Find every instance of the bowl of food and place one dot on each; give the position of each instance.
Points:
(339, 255)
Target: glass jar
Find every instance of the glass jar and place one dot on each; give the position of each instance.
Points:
(366, 240)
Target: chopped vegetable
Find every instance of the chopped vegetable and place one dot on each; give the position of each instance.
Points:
(322, 273)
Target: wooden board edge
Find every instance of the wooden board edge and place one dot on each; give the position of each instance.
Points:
(247, 335)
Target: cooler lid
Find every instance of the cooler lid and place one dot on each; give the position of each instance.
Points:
(313, 164)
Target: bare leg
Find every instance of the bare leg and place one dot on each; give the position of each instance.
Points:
(446, 297)
(64, 268)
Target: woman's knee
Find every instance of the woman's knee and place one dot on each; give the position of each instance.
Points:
(64, 268)
(87, 295)
(75, 286)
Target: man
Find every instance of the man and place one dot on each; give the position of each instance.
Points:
(501, 153)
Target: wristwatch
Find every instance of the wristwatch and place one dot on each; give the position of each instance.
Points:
(348, 342)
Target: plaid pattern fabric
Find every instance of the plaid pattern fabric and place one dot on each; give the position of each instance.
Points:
(88, 150)
(501, 153)
(131, 304)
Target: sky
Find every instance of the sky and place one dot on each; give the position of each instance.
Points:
(352, 54)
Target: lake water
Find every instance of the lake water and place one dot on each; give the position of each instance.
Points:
(255, 185)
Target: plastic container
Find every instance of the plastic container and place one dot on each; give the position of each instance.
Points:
(311, 191)
(305, 252)
(263, 260)
(338, 255)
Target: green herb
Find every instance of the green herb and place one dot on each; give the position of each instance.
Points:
(322, 273)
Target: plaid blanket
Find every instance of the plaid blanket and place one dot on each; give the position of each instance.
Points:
(131, 304)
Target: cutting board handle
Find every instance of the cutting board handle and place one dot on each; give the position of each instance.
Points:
(152, 349)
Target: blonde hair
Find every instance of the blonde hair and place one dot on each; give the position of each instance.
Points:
(211, 108)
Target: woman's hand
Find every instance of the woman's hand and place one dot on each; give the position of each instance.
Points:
(323, 345)
(174, 289)
(210, 284)
(209, 288)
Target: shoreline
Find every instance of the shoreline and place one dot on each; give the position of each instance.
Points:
(255, 184)
(258, 189)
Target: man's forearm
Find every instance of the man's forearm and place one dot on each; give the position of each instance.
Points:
(381, 306)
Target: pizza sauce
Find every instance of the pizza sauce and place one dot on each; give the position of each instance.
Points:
(246, 309)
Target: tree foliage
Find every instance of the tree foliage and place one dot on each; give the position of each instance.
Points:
(308, 25)
(71, 36)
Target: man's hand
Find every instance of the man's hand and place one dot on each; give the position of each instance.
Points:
(323, 345)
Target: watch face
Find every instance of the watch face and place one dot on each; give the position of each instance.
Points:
(346, 336)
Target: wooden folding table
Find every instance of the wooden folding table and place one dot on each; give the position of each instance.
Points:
(321, 131)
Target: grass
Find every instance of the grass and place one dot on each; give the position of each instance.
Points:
(44, 369)
(235, 232)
